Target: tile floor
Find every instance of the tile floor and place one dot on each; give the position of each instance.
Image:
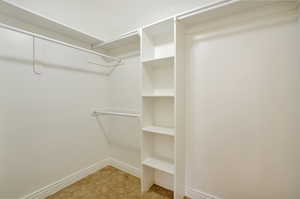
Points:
(110, 183)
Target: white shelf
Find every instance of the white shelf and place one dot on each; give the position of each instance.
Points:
(159, 164)
(14, 15)
(161, 31)
(159, 130)
(162, 61)
(159, 95)
(123, 45)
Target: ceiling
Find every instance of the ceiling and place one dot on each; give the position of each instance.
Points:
(108, 19)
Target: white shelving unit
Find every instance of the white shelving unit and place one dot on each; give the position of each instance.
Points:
(163, 107)
(162, 165)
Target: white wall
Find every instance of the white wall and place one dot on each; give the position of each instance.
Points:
(46, 131)
(125, 96)
(243, 113)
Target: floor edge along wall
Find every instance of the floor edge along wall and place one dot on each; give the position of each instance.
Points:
(68, 180)
(82, 173)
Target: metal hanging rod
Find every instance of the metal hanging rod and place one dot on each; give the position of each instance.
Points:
(204, 8)
(100, 122)
(97, 113)
(45, 38)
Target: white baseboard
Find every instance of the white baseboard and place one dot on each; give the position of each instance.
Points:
(190, 192)
(125, 167)
(197, 194)
(66, 181)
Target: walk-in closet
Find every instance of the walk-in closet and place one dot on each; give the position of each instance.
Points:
(194, 99)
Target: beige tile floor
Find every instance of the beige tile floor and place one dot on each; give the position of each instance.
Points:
(110, 183)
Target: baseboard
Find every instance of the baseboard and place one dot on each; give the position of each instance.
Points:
(125, 167)
(197, 194)
(66, 181)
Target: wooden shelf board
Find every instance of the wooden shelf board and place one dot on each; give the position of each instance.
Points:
(159, 95)
(159, 130)
(159, 164)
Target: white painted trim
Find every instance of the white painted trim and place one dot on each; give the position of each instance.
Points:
(197, 194)
(125, 167)
(66, 181)
(74, 177)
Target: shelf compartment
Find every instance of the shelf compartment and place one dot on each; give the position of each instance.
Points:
(159, 130)
(162, 165)
(158, 77)
(158, 40)
(156, 176)
(157, 145)
(158, 112)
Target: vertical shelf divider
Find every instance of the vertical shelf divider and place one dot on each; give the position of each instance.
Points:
(179, 180)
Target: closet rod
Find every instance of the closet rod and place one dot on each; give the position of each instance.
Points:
(205, 8)
(96, 113)
(45, 38)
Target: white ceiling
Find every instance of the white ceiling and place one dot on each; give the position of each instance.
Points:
(107, 19)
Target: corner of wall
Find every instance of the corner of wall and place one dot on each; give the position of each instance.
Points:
(125, 167)
(66, 181)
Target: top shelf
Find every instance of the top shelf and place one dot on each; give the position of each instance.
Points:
(160, 32)
(223, 8)
(22, 18)
(123, 45)
(158, 40)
